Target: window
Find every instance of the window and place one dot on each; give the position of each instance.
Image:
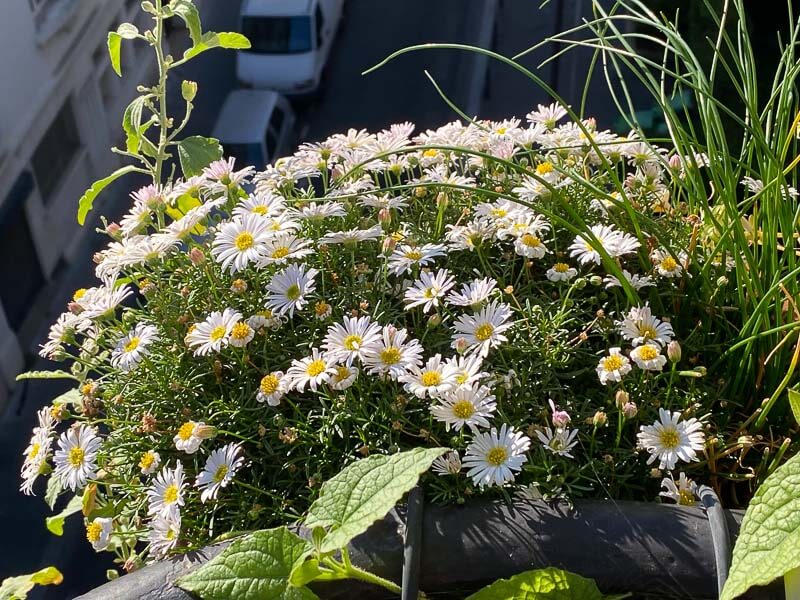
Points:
(320, 22)
(278, 35)
(55, 152)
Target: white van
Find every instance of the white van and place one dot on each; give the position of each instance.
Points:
(291, 41)
(255, 127)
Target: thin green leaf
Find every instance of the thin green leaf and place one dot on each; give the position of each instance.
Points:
(114, 51)
(794, 403)
(87, 200)
(57, 374)
(364, 492)
(196, 153)
(541, 584)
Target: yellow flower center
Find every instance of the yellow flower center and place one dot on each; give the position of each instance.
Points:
(463, 409)
(462, 378)
(293, 292)
(244, 241)
(561, 267)
(501, 130)
(390, 356)
(322, 308)
(93, 531)
(259, 210)
(499, 212)
(34, 451)
(352, 342)
(76, 456)
(428, 293)
(240, 331)
(669, 264)
(686, 498)
(413, 255)
(171, 494)
(544, 168)
(431, 378)
(531, 240)
(315, 367)
(132, 344)
(648, 332)
(342, 373)
(613, 362)
(429, 153)
(484, 332)
(218, 333)
(147, 460)
(648, 352)
(269, 384)
(281, 252)
(186, 430)
(220, 473)
(78, 294)
(669, 438)
(497, 456)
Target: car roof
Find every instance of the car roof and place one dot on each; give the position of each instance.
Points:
(276, 8)
(244, 116)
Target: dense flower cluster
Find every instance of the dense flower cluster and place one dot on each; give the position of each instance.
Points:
(479, 286)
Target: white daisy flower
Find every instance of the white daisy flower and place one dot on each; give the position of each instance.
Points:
(637, 282)
(240, 242)
(191, 434)
(282, 223)
(467, 368)
(641, 327)
(648, 357)
(449, 464)
(492, 457)
(530, 245)
(272, 388)
(283, 248)
(312, 370)
(392, 355)
(265, 318)
(470, 406)
(221, 171)
(343, 378)
(684, 491)
(548, 116)
(98, 532)
(101, 302)
(428, 290)
(613, 367)
(474, 293)
(164, 533)
(262, 205)
(132, 348)
(484, 330)
(384, 201)
(345, 343)
(219, 470)
(433, 379)
(561, 272)
(76, 456)
(669, 439)
(352, 235)
(165, 494)
(149, 462)
(213, 334)
(241, 335)
(321, 210)
(666, 265)
(614, 242)
(405, 256)
(288, 289)
(36, 455)
(559, 441)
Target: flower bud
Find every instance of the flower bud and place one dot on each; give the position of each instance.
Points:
(580, 283)
(460, 345)
(629, 410)
(596, 280)
(560, 418)
(113, 229)
(196, 256)
(389, 244)
(434, 320)
(384, 216)
(621, 398)
(599, 419)
(674, 351)
(675, 162)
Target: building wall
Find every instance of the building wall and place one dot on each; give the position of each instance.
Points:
(54, 52)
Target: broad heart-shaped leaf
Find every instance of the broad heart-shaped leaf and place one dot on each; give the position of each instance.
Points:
(114, 51)
(254, 567)
(196, 153)
(46, 375)
(541, 584)
(794, 403)
(769, 539)
(55, 524)
(364, 492)
(17, 588)
(87, 200)
(226, 39)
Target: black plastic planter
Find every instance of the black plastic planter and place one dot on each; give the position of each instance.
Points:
(652, 550)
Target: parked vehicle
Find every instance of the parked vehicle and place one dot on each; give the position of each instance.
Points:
(291, 41)
(255, 126)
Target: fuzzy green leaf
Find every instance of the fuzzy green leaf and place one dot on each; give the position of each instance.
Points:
(87, 200)
(128, 31)
(364, 492)
(114, 51)
(187, 11)
(794, 403)
(55, 524)
(541, 584)
(58, 374)
(196, 153)
(54, 489)
(227, 39)
(132, 124)
(769, 539)
(254, 567)
(72, 396)
(17, 588)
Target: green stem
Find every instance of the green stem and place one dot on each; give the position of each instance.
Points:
(161, 94)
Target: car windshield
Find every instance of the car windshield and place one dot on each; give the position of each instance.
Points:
(278, 35)
(245, 154)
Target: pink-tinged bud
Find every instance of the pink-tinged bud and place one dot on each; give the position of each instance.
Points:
(385, 216)
(674, 351)
(337, 172)
(434, 320)
(112, 229)
(389, 244)
(391, 331)
(675, 162)
(599, 419)
(560, 418)
(460, 345)
(74, 308)
(621, 398)
(196, 256)
(97, 258)
(441, 200)
(629, 410)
